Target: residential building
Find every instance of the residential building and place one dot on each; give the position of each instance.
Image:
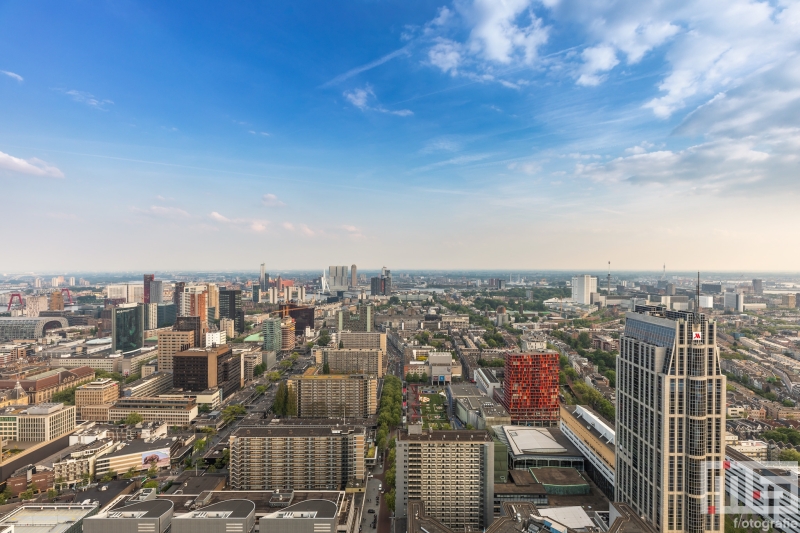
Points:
(156, 292)
(213, 294)
(23, 327)
(670, 422)
(758, 287)
(334, 395)
(173, 411)
(127, 327)
(148, 278)
(297, 456)
(353, 277)
(263, 279)
(352, 360)
(451, 471)
(77, 463)
(35, 305)
(216, 338)
(357, 318)
(362, 340)
(582, 289)
(287, 334)
(228, 326)
(530, 388)
(195, 324)
(151, 385)
(230, 306)
(170, 343)
(199, 369)
(99, 391)
(595, 439)
(56, 301)
(271, 333)
(150, 316)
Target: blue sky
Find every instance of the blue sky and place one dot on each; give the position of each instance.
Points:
(467, 134)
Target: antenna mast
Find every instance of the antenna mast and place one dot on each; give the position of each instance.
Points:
(697, 300)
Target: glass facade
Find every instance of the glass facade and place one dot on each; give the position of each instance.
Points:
(127, 328)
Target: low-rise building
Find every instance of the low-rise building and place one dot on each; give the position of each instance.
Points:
(152, 385)
(595, 440)
(173, 411)
(97, 392)
(137, 456)
(212, 397)
(37, 423)
(41, 386)
(755, 449)
(152, 516)
(230, 516)
(53, 518)
(77, 464)
(310, 516)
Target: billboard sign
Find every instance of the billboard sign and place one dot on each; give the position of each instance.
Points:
(159, 457)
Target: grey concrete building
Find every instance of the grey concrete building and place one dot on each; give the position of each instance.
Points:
(153, 516)
(310, 516)
(230, 516)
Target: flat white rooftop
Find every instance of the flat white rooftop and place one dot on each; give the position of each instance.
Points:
(529, 440)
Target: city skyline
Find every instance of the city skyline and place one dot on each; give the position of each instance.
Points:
(548, 130)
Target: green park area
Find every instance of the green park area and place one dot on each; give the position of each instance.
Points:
(434, 412)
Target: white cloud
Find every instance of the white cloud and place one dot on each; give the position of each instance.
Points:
(596, 60)
(446, 55)
(89, 99)
(252, 224)
(441, 144)
(31, 167)
(459, 160)
(262, 133)
(306, 230)
(171, 212)
(504, 31)
(641, 148)
(270, 200)
(361, 98)
(13, 75)
(288, 226)
(372, 64)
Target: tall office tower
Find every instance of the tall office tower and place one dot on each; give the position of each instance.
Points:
(670, 427)
(156, 292)
(147, 279)
(194, 324)
(338, 278)
(758, 287)
(256, 294)
(56, 301)
(135, 293)
(127, 327)
(353, 276)
(167, 313)
(271, 333)
(530, 389)
(303, 315)
(150, 316)
(386, 276)
(375, 286)
(37, 283)
(170, 343)
(263, 279)
(358, 319)
(323, 456)
(334, 395)
(228, 326)
(177, 290)
(733, 301)
(230, 306)
(194, 302)
(212, 299)
(452, 472)
(582, 288)
(200, 369)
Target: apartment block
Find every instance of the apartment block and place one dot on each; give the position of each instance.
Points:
(334, 395)
(170, 343)
(452, 472)
(363, 340)
(359, 318)
(76, 464)
(315, 456)
(352, 360)
(530, 390)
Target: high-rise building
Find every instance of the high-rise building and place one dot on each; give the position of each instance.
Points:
(303, 315)
(98, 392)
(530, 390)
(230, 306)
(452, 472)
(35, 305)
(170, 343)
(334, 395)
(71, 281)
(381, 286)
(263, 279)
(758, 287)
(733, 301)
(156, 292)
(147, 279)
(352, 360)
(228, 326)
(353, 277)
(338, 278)
(670, 424)
(150, 315)
(177, 290)
(56, 301)
(127, 327)
(256, 294)
(271, 333)
(167, 314)
(194, 324)
(287, 334)
(297, 457)
(582, 289)
(200, 369)
(359, 318)
(212, 300)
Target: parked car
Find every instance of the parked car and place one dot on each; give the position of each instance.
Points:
(371, 511)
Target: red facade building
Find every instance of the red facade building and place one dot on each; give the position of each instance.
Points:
(530, 389)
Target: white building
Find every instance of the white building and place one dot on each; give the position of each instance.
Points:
(216, 338)
(582, 289)
(734, 301)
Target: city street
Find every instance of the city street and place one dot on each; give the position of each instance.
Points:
(372, 501)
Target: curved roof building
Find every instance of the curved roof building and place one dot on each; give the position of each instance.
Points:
(25, 327)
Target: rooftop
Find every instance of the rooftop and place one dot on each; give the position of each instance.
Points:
(46, 518)
(527, 440)
(448, 436)
(307, 509)
(147, 509)
(140, 445)
(237, 508)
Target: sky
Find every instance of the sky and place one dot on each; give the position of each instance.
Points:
(510, 134)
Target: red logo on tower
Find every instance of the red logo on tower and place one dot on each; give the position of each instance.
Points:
(697, 336)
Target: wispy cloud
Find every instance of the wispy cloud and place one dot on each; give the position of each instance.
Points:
(31, 167)
(363, 68)
(252, 224)
(13, 75)
(361, 98)
(270, 200)
(162, 212)
(262, 133)
(460, 160)
(87, 98)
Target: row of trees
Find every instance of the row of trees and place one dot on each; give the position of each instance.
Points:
(391, 409)
(593, 398)
(417, 378)
(285, 401)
